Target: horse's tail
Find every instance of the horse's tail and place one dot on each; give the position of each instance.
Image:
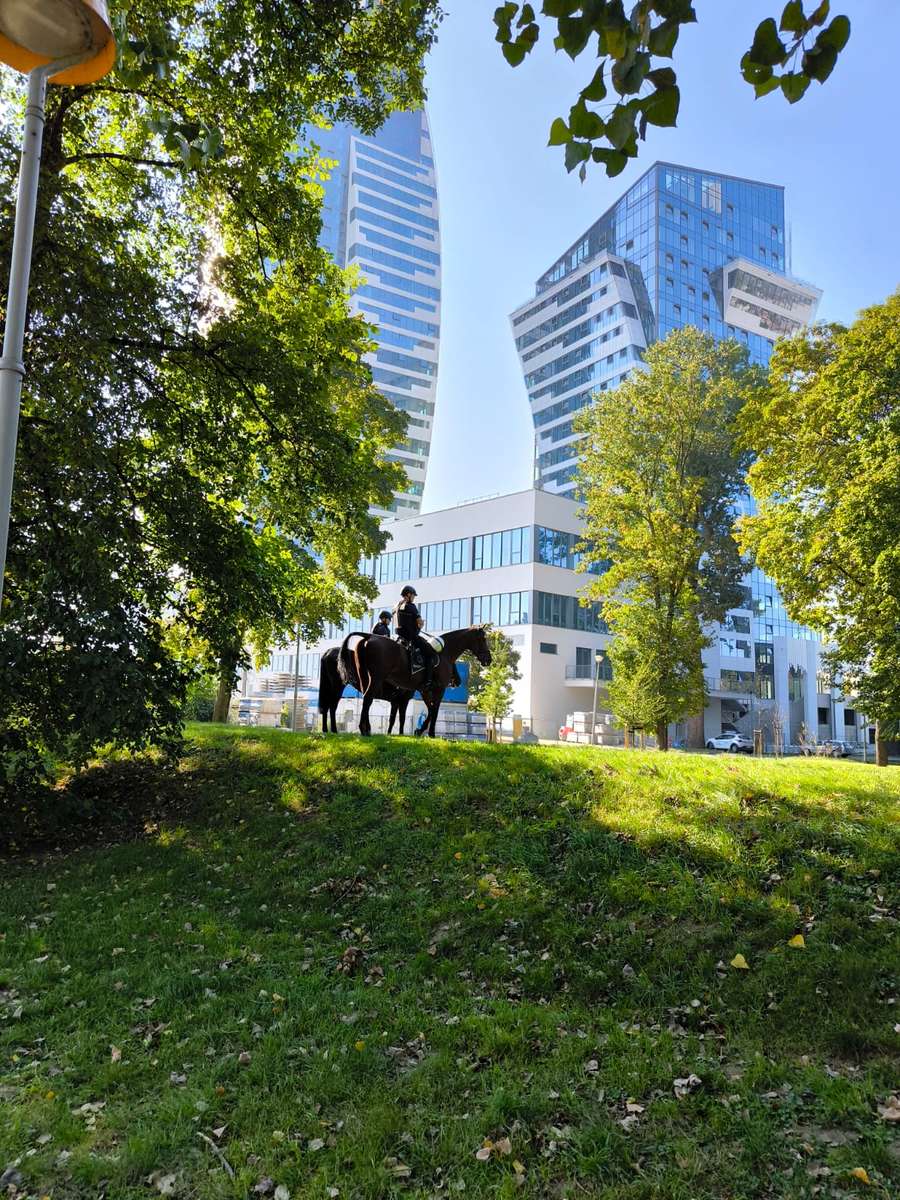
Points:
(349, 662)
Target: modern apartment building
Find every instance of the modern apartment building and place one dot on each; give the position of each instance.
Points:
(381, 215)
(681, 247)
(511, 560)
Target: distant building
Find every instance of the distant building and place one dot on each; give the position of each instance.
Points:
(511, 560)
(381, 215)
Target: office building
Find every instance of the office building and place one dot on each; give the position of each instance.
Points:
(381, 216)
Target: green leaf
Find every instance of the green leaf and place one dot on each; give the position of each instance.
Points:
(628, 74)
(576, 152)
(662, 77)
(793, 19)
(767, 85)
(818, 62)
(583, 123)
(615, 161)
(820, 15)
(596, 89)
(793, 85)
(503, 20)
(753, 72)
(620, 126)
(768, 48)
(661, 108)
(527, 17)
(559, 133)
(614, 40)
(573, 35)
(514, 53)
(663, 38)
(836, 35)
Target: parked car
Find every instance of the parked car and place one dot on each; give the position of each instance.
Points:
(835, 748)
(734, 743)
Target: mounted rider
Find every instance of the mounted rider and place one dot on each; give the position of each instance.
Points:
(408, 624)
(382, 628)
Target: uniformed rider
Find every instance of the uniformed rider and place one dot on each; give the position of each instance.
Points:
(383, 626)
(408, 624)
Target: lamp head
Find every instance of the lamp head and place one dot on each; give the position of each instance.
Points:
(34, 33)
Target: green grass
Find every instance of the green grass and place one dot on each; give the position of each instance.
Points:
(538, 944)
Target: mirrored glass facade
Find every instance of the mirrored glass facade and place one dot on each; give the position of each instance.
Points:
(381, 214)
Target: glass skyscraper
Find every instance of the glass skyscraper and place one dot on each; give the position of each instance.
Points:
(681, 247)
(381, 215)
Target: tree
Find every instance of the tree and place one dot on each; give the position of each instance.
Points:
(826, 436)
(633, 690)
(491, 688)
(788, 56)
(659, 477)
(200, 440)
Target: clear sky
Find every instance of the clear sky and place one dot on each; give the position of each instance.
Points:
(508, 208)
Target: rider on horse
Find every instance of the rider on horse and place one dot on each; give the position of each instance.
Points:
(383, 626)
(408, 624)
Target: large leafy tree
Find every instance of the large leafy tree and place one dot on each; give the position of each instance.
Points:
(826, 438)
(659, 477)
(630, 81)
(200, 439)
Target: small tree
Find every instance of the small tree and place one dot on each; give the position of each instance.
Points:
(491, 688)
(632, 691)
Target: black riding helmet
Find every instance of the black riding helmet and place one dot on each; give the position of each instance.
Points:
(409, 590)
(384, 615)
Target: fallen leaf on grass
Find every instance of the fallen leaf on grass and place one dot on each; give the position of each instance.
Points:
(244, 1058)
(684, 1087)
(861, 1174)
(115, 1054)
(891, 1110)
(518, 1167)
(798, 942)
(503, 1146)
(316, 1144)
(164, 1183)
(282, 1193)
(740, 963)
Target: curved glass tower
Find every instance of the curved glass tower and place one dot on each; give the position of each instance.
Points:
(381, 214)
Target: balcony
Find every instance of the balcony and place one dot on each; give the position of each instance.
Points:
(766, 302)
(580, 673)
(716, 685)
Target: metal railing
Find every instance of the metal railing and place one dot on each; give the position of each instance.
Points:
(740, 687)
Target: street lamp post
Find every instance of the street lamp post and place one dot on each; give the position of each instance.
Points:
(599, 656)
(65, 42)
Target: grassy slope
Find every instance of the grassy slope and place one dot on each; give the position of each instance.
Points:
(543, 939)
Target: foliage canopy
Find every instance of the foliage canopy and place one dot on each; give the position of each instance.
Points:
(788, 55)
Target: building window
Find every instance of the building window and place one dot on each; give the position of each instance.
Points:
(850, 717)
(446, 558)
(823, 715)
(505, 549)
(692, 292)
(445, 614)
(505, 608)
(548, 647)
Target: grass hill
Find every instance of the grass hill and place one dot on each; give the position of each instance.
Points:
(299, 967)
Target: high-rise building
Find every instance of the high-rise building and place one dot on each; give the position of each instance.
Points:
(681, 247)
(381, 215)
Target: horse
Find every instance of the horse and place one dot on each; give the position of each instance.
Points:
(373, 662)
(331, 688)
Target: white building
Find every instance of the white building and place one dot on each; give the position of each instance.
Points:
(510, 560)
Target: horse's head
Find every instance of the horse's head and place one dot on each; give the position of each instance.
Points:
(480, 647)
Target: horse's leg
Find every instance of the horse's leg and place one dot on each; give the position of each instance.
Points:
(393, 716)
(433, 708)
(365, 727)
(403, 704)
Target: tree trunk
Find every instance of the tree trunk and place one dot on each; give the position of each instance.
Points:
(662, 735)
(223, 696)
(881, 750)
(627, 737)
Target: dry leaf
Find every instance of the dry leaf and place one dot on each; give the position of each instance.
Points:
(244, 1058)
(503, 1146)
(684, 1087)
(740, 963)
(861, 1174)
(798, 941)
(891, 1110)
(483, 1154)
(359, 1045)
(115, 1054)
(316, 1144)
(518, 1167)
(166, 1185)
(282, 1193)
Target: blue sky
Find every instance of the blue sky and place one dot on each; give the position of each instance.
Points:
(508, 208)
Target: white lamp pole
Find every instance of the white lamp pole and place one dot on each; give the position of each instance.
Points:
(67, 43)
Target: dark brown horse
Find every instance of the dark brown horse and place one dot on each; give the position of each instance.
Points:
(331, 688)
(372, 663)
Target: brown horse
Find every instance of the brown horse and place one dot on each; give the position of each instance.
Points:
(331, 688)
(373, 662)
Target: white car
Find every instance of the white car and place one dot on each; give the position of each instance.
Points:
(732, 742)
